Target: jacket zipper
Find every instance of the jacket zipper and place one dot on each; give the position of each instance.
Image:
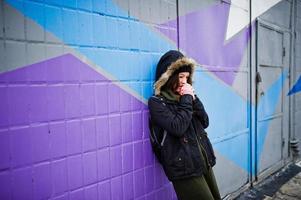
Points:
(202, 148)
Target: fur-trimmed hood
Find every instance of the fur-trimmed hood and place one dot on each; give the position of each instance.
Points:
(168, 64)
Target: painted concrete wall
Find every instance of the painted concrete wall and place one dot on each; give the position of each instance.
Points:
(75, 77)
(297, 75)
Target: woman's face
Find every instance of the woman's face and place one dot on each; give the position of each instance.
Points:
(182, 79)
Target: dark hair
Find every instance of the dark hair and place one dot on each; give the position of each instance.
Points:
(172, 82)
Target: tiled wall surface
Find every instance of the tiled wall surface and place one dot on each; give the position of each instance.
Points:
(67, 131)
(75, 77)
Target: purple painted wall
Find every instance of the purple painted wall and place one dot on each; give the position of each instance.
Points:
(77, 136)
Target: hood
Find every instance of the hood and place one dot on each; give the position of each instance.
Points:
(168, 64)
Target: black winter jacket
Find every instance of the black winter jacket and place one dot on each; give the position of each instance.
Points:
(184, 122)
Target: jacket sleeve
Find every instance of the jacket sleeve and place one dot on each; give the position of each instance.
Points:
(174, 123)
(200, 113)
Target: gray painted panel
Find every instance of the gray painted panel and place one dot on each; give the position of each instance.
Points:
(269, 47)
(272, 150)
(279, 14)
(298, 101)
(145, 10)
(298, 49)
(13, 48)
(172, 10)
(297, 66)
(134, 8)
(297, 111)
(286, 44)
(3, 64)
(298, 37)
(161, 11)
(189, 6)
(168, 11)
(35, 52)
(298, 24)
(155, 11)
(298, 8)
(34, 32)
(229, 176)
(164, 8)
(53, 50)
(13, 23)
(1, 19)
(297, 114)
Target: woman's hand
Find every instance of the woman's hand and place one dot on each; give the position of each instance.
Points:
(186, 89)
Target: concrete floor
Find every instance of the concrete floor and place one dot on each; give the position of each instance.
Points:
(290, 190)
(283, 185)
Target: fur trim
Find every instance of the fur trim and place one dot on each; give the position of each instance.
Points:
(171, 69)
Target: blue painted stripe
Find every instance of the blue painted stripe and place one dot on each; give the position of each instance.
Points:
(267, 107)
(228, 114)
(296, 88)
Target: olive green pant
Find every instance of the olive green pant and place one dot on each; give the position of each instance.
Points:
(197, 188)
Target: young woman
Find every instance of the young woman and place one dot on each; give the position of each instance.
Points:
(187, 156)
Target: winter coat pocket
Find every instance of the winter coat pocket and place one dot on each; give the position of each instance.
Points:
(177, 164)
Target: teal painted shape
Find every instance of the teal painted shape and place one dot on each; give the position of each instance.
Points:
(296, 88)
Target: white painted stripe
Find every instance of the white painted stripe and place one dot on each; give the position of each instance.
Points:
(238, 17)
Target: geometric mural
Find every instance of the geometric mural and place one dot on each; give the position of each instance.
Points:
(72, 131)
